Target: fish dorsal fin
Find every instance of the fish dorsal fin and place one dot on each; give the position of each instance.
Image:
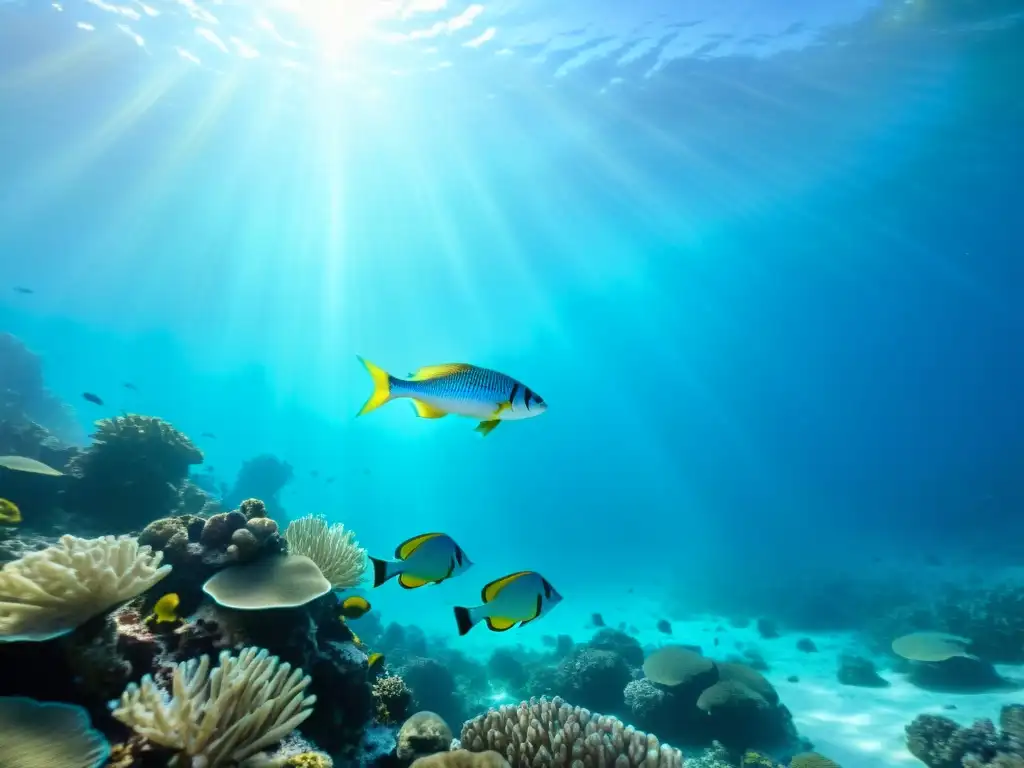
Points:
(437, 371)
(493, 589)
(404, 550)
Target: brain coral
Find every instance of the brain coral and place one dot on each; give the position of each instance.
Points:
(552, 733)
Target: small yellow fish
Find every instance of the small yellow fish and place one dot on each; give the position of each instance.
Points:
(354, 607)
(429, 558)
(355, 639)
(9, 513)
(374, 661)
(166, 609)
(520, 597)
(459, 388)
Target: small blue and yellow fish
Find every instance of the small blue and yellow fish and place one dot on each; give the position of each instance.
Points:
(429, 558)
(518, 598)
(9, 513)
(166, 609)
(354, 607)
(458, 388)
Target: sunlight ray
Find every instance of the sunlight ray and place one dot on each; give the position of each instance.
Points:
(61, 171)
(114, 240)
(44, 69)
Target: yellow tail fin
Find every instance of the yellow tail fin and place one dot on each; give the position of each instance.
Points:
(381, 387)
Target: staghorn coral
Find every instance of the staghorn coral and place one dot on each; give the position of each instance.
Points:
(49, 593)
(133, 472)
(331, 547)
(47, 735)
(552, 733)
(249, 702)
(392, 699)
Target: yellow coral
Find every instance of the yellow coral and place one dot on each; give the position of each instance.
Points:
(308, 760)
(752, 758)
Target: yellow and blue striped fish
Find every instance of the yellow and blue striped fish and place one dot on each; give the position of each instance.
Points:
(458, 388)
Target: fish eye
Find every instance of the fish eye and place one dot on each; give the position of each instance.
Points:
(538, 399)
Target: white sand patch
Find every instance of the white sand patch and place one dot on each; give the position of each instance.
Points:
(856, 727)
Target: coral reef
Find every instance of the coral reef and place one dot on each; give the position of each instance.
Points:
(392, 699)
(553, 733)
(132, 473)
(940, 742)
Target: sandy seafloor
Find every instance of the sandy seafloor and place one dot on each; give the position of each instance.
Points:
(856, 727)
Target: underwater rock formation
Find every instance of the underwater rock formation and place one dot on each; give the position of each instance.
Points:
(262, 477)
(24, 398)
(425, 733)
(132, 473)
(857, 671)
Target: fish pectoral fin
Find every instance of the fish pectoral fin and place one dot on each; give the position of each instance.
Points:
(492, 590)
(486, 427)
(411, 582)
(404, 550)
(428, 372)
(427, 411)
(502, 407)
(498, 624)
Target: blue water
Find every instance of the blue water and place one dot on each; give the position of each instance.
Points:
(762, 259)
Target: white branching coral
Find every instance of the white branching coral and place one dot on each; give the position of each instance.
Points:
(335, 550)
(49, 593)
(220, 717)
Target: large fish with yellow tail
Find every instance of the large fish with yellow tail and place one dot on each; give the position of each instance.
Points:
(518, 598)
(458, 388)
